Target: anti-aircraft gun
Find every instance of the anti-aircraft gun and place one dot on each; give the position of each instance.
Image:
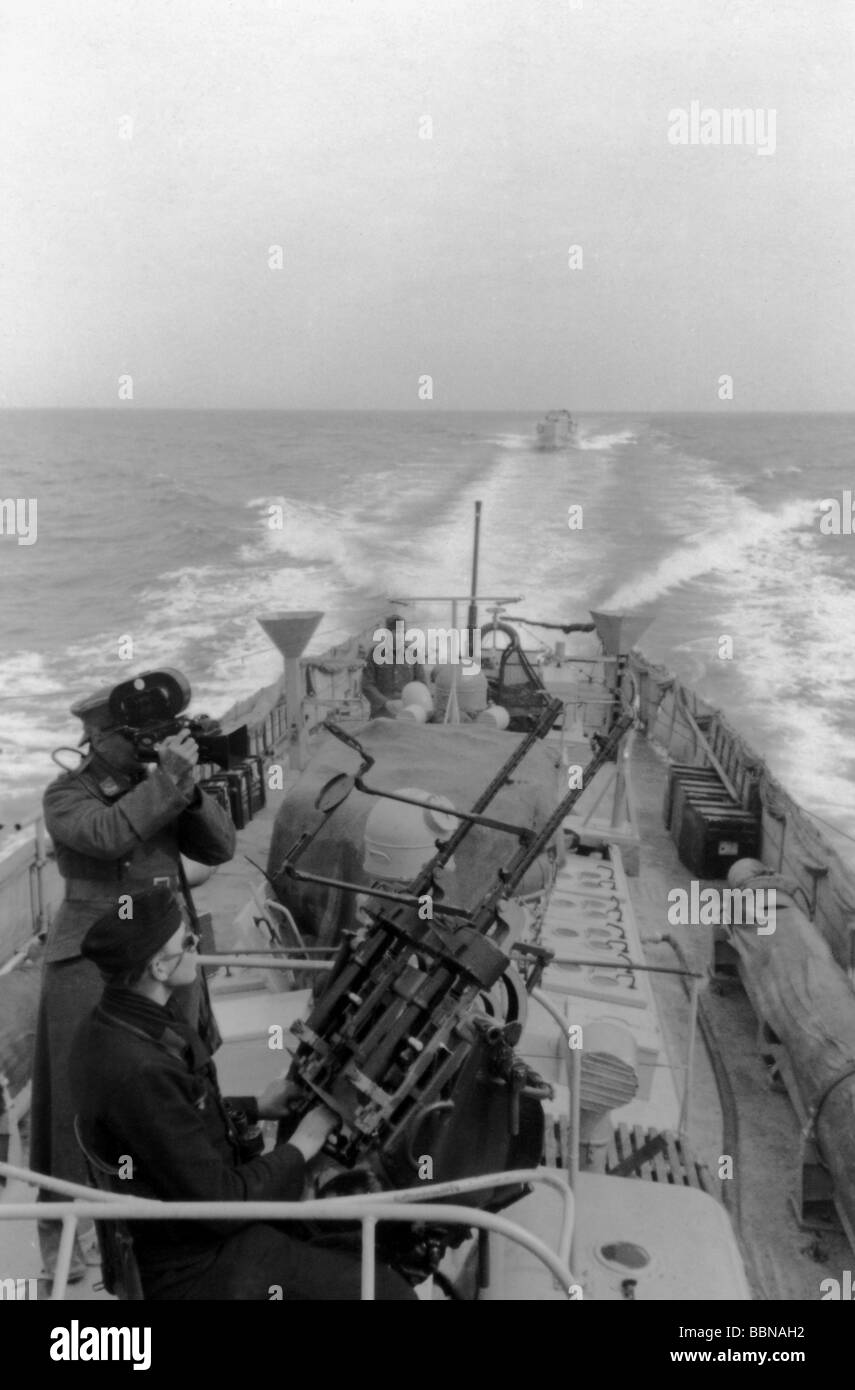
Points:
(406, 1042)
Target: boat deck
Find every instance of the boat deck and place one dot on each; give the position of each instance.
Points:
(754, 1123)
(751, 1122)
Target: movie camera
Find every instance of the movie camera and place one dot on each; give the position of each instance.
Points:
(149, 708)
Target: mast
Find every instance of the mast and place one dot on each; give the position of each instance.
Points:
(473, 607)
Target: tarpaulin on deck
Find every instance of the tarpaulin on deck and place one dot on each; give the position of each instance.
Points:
(457, 761)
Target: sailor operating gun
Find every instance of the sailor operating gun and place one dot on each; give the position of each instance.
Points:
(147, 1094)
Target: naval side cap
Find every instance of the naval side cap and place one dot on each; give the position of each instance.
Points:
(116, 945)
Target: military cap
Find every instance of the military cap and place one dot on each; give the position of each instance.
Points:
(116, 945)
(97, 702)
(94, 708)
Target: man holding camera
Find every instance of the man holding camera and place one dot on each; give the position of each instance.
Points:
(150, 1105)
(119, 826)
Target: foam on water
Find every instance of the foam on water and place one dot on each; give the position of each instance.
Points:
(765, 582)
(713, 522)
(793, 682)
(724, 547)
(602, 443)
(515, 442)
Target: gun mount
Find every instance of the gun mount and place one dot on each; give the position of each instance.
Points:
(411, 1022)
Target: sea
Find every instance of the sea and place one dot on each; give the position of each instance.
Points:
(162, 527)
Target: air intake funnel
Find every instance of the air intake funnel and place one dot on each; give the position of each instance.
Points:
(291, 632)
(619, 632)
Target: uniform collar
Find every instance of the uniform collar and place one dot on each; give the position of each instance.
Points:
(135, 1008)
(112, 781)
(163, 1023)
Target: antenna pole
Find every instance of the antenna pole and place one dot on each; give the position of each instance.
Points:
(473, 608)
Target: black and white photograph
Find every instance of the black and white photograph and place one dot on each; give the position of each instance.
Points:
(427, 749)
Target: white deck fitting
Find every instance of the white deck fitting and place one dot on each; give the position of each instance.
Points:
(590, 916)
(592, 819)
(685, 1234)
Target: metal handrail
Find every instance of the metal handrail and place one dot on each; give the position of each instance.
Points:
(455, 598)
(368, 1210)
(547, 1176)
(62, 1186)
(254, 960)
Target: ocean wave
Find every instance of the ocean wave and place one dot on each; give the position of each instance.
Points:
(513, 442)
(725, 547)
(791, 470)
(308, 531)
(604, 443)
(794, 676)
(371, 512)
(26, 673)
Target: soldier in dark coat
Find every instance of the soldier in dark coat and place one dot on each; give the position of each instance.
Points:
(383, 680)
(116, 832)
(149, 1104)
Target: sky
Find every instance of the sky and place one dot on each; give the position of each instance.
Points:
(152, 153)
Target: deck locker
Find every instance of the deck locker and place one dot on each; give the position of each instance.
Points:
(236, 788)
(710, 829)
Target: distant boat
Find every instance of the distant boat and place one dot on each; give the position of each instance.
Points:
(556, 430)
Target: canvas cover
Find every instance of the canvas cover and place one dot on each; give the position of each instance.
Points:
(458, 761)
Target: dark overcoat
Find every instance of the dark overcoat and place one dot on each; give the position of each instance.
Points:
(149, 1103)
(113, 834)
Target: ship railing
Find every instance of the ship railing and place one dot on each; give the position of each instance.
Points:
(369, 1210)
(269, 733)
(796, 843)
(29, 887)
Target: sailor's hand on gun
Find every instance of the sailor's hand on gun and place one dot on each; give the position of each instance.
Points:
(178, 755)
(313, 1130)
(274, 1103)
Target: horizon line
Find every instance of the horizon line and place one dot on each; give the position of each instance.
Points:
(399, 410)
